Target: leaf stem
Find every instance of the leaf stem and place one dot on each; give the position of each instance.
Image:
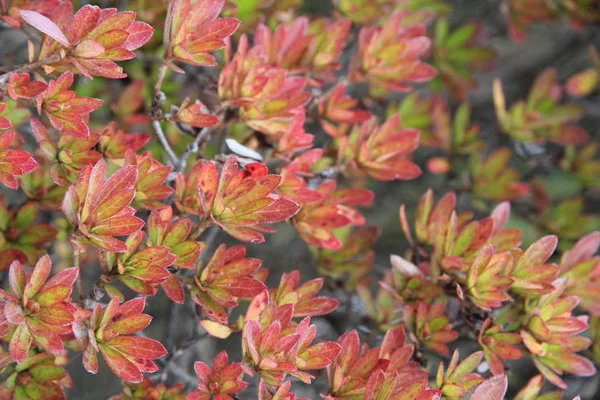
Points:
(203, 224)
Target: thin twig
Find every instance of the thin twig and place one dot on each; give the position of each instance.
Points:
(193, 148)
(30, 67)
(79, 282)
(178, 351)
(182, 375)
(163, 140)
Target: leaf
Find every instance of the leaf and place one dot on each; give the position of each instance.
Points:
(20, 343)
(138, 347)
(120, 365)
(242, 150)
(45, 25)
(582, 83)
(491, 389)
(215, 329)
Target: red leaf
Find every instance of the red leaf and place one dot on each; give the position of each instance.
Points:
(45, 25)
(492, 389)
(120, 365)
(173, 289)
(138, 347)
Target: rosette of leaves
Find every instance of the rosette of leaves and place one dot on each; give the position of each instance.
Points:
(454, 134)
(268, 96)
(20, 238)
(99, 210)
(429, 326)
(388, 56)
(149, 187)
(329, 40)
(277, 103)
(37, 310)
(458, 378)
(164, 230)
(497, 345)
(105, 330)
(551, 334)
(311, 47)
(382, 151)
(486, 282)
(384, 308)
(38, 376)
(67, 112)
(389, 386)
(302, 297)
(352, 260)
(294, 139)
(582, 271)
(219, 382)
(492, 178)
(530, 272)
(224, 280)
(241, 201)
(282, 392)
(318, 220)
(92, 38)
(287, 45)
(115, 142)
(358, 370)
(193, 31)
(12, 162)
(20, 86)
(274, 349)
(455, 239)
(566, 218)
(540, 117)
(339, 112)
(142, 270)
(457, 54)
(408, 283)
(38, 186)
(68, 156)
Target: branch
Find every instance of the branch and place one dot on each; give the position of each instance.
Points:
(182, 375)
(30, 67)
(79, 280)
(165, 142)
(193, 148)
(177, 352)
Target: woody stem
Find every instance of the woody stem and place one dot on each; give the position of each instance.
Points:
(165, 143)
(79, 282)
(29, 67)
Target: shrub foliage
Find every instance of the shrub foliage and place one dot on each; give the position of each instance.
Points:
(237, 116)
